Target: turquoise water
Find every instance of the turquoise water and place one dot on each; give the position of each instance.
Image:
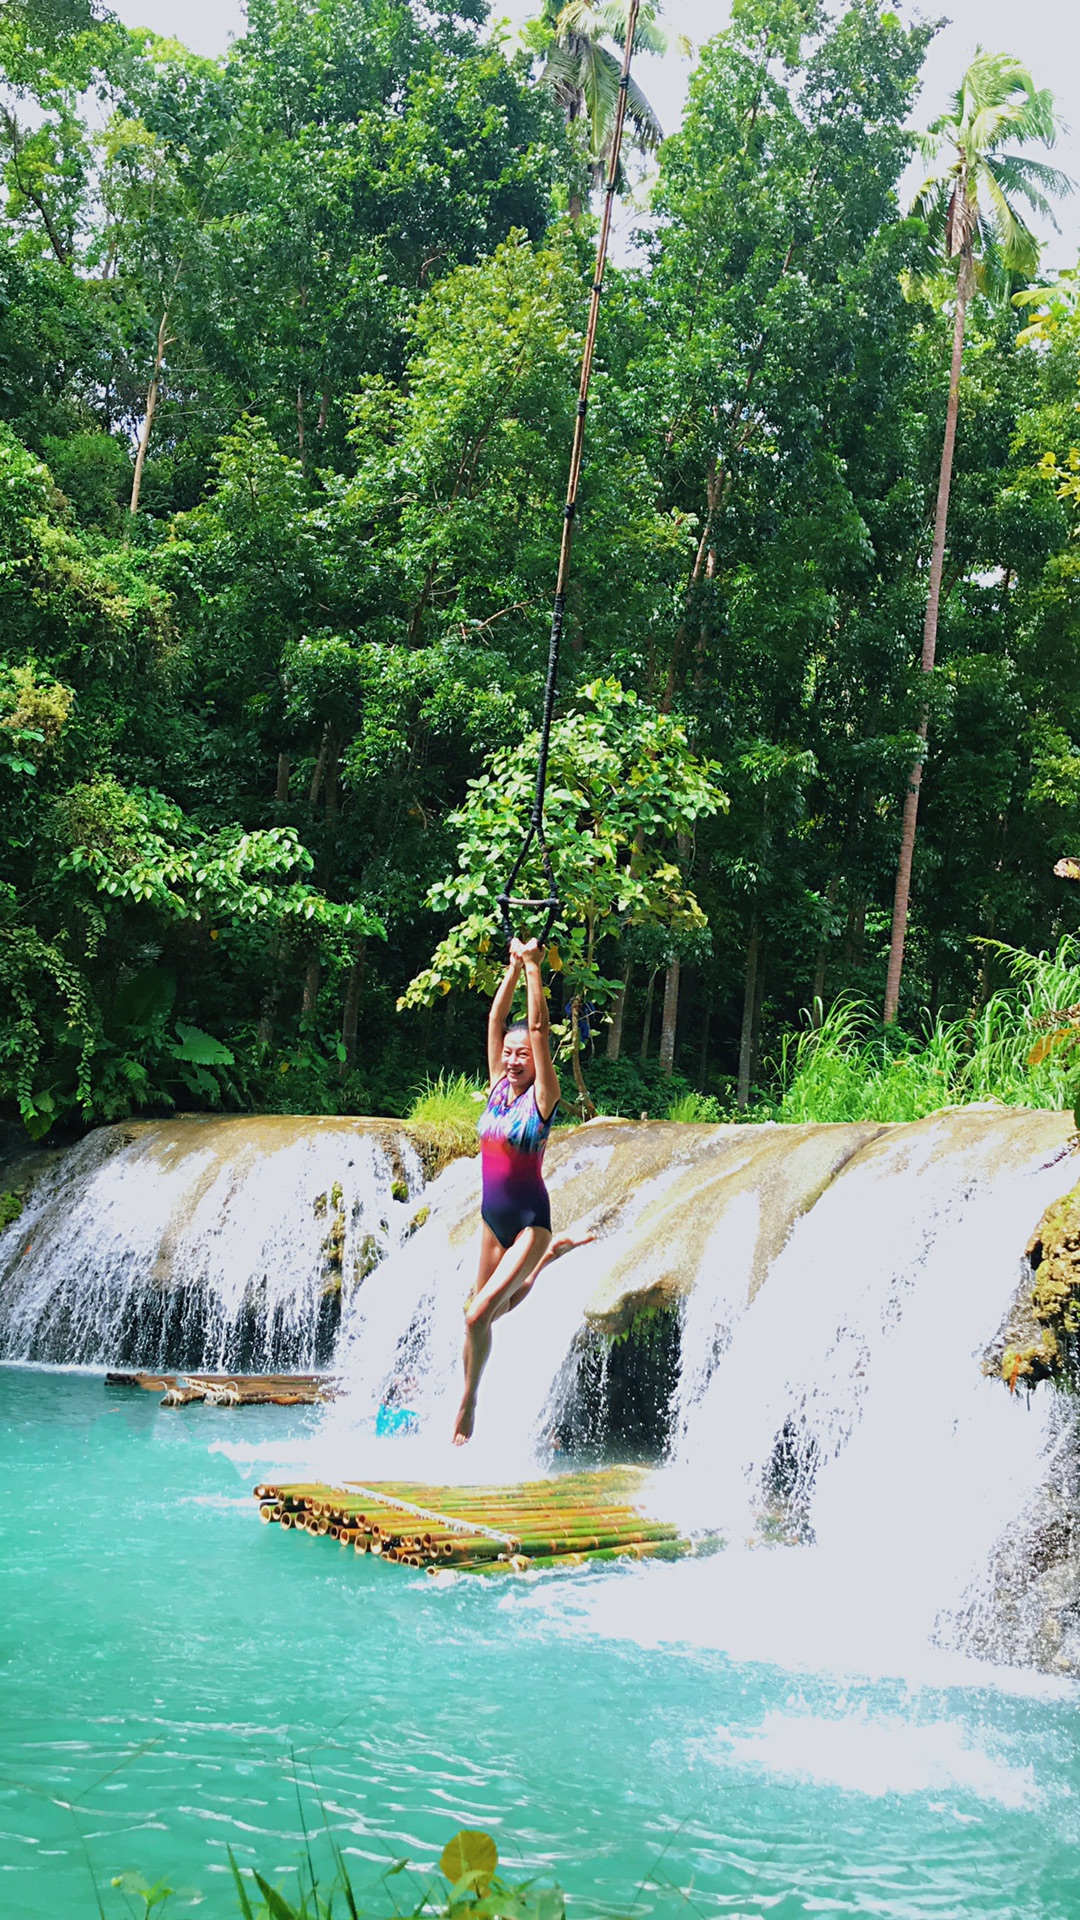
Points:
(170, 1667)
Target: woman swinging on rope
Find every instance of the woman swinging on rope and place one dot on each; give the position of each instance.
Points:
(515, 1210)
(524, 1089)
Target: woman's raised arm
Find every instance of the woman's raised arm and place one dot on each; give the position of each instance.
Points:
(547, 1080)
(500, 1013)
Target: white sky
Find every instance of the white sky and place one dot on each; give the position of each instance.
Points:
(1044, 34)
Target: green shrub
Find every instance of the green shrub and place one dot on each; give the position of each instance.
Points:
(450, 1100)
(629, 1087)
(696, 1108)
(11, 1205)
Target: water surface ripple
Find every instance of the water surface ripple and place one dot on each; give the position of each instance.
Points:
(172, 1670)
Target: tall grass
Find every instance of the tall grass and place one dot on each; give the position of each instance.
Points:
(452, 1100)
(696, 1108)
(850, 1068)
(443, 1118)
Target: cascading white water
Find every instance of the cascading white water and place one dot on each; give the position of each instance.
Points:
(213, 1244)
(835, 1312)
(836, 1288)
(852, 1378)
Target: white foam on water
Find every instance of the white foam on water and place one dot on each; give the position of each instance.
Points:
(771, 1607)
(877, 1754)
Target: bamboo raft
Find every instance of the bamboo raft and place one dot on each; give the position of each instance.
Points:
(230, 1389)
(565, 1522)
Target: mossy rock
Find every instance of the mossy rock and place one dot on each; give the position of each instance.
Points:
(419, 1219)
(368, 1255)
(11, 1206)
(1041, 1338)
(438, 1142)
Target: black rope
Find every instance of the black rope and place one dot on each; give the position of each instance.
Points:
(534, 834)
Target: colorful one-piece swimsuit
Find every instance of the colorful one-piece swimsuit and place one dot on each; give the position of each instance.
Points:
(513, 1135)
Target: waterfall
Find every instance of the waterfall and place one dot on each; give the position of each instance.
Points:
(207, 1244)
(829, 1291)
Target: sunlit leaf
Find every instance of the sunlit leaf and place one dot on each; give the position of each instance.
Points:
(470, 1852)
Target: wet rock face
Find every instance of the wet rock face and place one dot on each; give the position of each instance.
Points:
(619, 1404)
(1030, 1615)
(1035, 1615)
(1040, 1339)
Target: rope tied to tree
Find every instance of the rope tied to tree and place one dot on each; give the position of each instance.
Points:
(534, 834)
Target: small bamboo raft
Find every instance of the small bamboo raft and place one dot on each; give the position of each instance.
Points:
(563, 1522)
(230, 1389)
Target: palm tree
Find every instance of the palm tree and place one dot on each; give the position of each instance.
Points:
(583, 73)
(969, 202)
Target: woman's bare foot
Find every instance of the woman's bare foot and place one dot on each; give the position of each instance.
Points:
(566, 1243)
(465, 1422)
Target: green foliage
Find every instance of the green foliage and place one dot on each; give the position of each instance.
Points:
(622, 784)
(449, 1100)
(32, 715)
(47, 1023)
(135, 1887)
(11, 1206)
(969, 200)
(474, 1889)
(583, 73)
(696, 1109)
(251, 735)
(849, 1068)
(137, 846)
(633, 1089)
(443, 1116)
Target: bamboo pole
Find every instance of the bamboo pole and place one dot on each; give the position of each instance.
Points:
(562, 1521)
(676, 1549)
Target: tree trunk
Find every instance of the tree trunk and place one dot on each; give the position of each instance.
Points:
(332, 761)
(817, 990)
(902, 893)
(163, 342)
(618, 1009)
(646, 1023)
(584, 1097)
(351, 1011)
(268, 1010)
(320, 768)
(705, 1025)
(854, 933)
(746, 1038)
(670, 1018)
(284, 769)
(265, 1030)
(311, 986)
(755, 1022)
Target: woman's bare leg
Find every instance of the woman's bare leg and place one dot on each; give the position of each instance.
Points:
(565, 1243)
(494, 1296)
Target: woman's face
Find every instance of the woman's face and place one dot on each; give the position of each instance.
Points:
(517, 1061)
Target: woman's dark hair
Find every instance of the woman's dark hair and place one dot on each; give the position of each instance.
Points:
(515, 1026)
